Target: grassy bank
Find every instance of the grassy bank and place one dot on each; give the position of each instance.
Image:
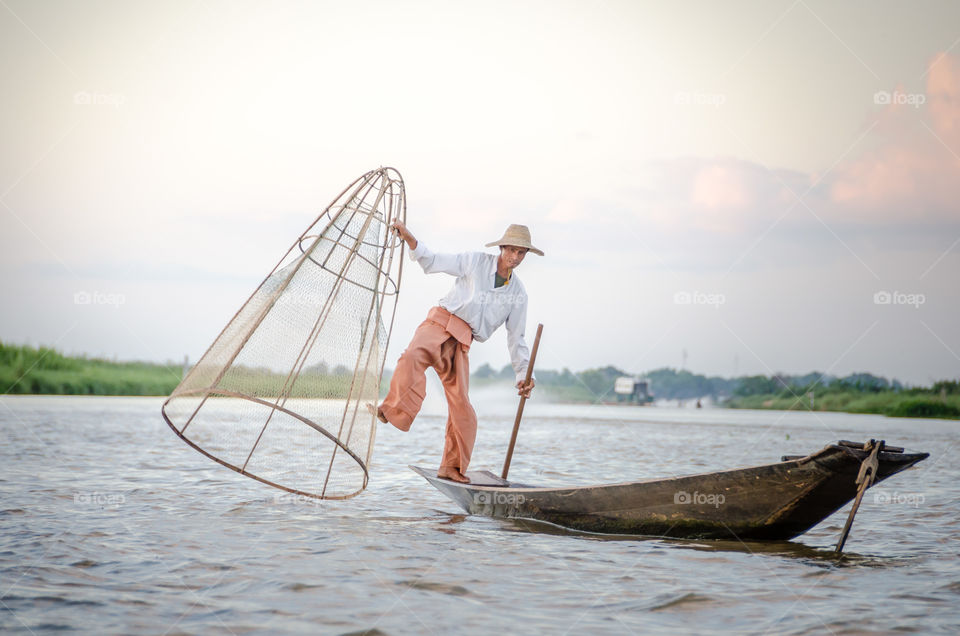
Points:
(909, 403)
(26, 370)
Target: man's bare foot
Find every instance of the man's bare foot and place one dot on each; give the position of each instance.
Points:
(376, 411)
(445, 472)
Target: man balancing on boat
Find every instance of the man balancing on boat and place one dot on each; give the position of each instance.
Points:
(486, 294)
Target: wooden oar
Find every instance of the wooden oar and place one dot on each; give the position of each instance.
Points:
(865, 479)
(523, 400)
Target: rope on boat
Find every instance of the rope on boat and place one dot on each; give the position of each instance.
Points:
(865, 479)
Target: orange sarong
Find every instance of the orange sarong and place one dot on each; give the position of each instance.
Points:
(442, 342)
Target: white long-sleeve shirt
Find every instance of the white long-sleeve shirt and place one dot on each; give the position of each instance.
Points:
(481, 305)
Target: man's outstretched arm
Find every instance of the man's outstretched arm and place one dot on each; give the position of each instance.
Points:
(453, 264)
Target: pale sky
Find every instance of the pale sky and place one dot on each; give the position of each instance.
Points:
(737, 180)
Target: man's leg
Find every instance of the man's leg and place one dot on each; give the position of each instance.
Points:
(454, 372)
(408, 385)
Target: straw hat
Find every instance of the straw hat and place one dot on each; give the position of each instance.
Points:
(517, 236)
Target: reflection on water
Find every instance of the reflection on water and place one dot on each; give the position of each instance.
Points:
(110, 523)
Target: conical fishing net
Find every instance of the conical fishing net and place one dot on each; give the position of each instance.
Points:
(281, 395)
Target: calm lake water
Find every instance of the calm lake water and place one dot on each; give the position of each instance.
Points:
(109, 523)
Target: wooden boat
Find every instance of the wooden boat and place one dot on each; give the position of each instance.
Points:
(772, 502)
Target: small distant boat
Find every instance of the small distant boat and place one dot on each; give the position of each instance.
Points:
(771, 502)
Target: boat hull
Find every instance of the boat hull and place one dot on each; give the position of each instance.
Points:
(771, 502)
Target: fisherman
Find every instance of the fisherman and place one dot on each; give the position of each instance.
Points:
(485, 295)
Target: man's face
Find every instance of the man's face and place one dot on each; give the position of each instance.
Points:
(511, 256)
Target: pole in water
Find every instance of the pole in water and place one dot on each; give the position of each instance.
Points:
(865, 479)
(523, 400)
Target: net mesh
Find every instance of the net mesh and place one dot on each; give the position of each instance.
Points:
(281, 395)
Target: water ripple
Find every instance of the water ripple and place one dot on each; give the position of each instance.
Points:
(109, 523)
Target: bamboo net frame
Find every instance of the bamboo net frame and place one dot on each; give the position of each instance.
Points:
(280, 396)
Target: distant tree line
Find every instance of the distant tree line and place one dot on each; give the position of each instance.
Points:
(25, 369)
(674, 384)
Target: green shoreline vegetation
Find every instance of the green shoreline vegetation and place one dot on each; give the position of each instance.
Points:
(885, 403)
(29, 370)
(856, 393)
(26, 370)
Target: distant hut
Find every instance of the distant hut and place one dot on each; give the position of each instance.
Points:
(633, 389)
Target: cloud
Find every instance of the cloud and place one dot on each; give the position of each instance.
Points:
(943, 91)
(724, 196)
(898, 188)
(913, 175)
(906, 181)
(718, 187)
